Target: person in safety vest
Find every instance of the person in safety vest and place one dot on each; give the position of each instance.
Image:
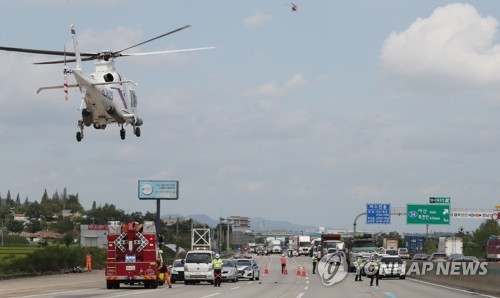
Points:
(217, 266)
(88, 262)
(163, 272)
(315, 261)
(283, 263)
(376, 264)
(359, 268)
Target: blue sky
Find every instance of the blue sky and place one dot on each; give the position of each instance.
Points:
(302, 116)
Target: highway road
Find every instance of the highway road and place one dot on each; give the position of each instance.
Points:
(274, 284)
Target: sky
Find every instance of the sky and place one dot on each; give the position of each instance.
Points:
(302, 116)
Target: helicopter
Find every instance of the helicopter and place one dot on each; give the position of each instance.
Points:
(107, 96)
(293, 6)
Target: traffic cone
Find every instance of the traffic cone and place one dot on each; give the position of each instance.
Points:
(266, 271)
(285, 271)
(304, 273)
(298, 271)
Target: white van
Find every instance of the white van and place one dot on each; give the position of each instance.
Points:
(198, 266)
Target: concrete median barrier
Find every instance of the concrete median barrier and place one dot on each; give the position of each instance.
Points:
(479, 277)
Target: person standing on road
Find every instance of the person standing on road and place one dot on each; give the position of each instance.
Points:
(88, 262)
(217, 266)
(315, 261)
(359, 267)
(283, 263)
(376, 267)
(163, 269)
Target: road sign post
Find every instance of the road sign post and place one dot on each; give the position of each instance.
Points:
(431, 214)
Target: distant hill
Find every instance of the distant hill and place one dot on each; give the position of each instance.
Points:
(257, 223)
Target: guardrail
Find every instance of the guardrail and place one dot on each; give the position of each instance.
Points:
(488, 283)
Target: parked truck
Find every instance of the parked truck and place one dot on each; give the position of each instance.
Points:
(302, 244)
(331, 241)
(274, 245)
(363, 246)
(450, 246)
(414, 244)
(132, 255)
(390, 243)
(493, 249)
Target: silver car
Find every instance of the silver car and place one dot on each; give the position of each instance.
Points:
(229, 270)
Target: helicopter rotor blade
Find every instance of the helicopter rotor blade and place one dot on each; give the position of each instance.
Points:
(67, 61)
(167, 52)
(160, 36)
(44, 52)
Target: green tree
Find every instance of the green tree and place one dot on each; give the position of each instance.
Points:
(15, 226)
(73, 204)
(63, 225)
(480, 237)
(68, 238)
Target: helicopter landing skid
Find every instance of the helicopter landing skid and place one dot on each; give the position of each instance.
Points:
(79, 134)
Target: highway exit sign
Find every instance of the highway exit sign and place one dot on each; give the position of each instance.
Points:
(439, 200)
(430, 214)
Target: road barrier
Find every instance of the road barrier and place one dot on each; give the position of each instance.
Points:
(482, 283)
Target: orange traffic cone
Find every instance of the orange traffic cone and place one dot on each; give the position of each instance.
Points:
(304, 273)
(285, 271)
(298, 271)
(266, 271)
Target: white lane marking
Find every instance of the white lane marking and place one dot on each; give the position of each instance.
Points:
(132, 293)
(306, 287)
(55, 293)
(210, 295)
(300, 295)
(307, 282)
(450, 288)
(235, 288)
(390, 295)
(249, 282)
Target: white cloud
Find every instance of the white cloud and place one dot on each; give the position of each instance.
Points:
(253, 186)
(257, 19)
(455, 45)
(273, 90)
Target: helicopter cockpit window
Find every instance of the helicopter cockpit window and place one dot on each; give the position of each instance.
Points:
(133, 98)
(108, 77)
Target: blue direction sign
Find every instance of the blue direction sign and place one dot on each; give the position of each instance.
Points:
(378, 213)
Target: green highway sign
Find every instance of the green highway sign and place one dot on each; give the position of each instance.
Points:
(437, 200)
(428, 214)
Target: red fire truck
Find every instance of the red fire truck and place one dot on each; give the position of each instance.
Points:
(132, 255)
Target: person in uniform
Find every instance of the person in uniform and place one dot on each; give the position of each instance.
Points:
(376, 265)
(283, 263)
(88, 262)
(217, 266)
(359, 268)
(315, 261)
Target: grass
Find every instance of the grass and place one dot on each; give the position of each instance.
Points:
(15, 252)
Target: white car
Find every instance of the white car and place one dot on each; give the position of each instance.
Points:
(198, 266)
(247, 268)
(177, 271)
(392, 266)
